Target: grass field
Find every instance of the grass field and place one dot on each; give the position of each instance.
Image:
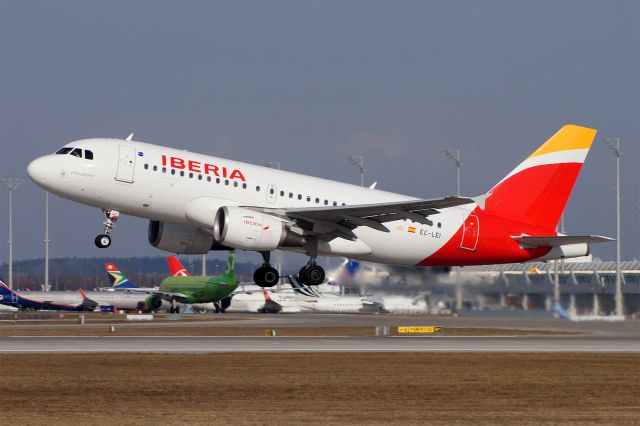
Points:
(328, 388)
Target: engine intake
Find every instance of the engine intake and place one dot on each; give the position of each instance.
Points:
(181, 239)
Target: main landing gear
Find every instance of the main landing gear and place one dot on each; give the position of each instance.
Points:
(104, 240)
(310, 274)
(266, 275)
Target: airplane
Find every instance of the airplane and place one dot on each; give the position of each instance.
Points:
(311, 300)
(196, 203)
(183, 288)
(71, 300)
(562, 313)
(50, 301)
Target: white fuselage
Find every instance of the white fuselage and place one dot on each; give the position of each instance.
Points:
(181, 187)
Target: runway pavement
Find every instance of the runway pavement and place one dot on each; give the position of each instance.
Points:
(587, 337)
(188, 344)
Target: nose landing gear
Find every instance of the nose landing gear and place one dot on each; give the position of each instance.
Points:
(104, 240)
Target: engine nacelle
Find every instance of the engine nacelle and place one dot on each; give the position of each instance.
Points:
(152, 303)
(246, 229)
(180, 239)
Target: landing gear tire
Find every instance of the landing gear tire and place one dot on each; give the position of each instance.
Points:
(103, 241)
(266, 276)
(175, 310)
(311, 275)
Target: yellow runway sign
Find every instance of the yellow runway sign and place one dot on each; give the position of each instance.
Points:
(428, 329)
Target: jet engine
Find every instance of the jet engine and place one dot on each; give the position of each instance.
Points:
(152, 303)
(180, 239)
(247, 229)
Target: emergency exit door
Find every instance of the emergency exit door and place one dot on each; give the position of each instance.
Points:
(126, 163)
(470, 233)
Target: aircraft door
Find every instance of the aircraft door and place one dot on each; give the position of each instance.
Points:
(126, 163)
(272, 193)
(470, 233)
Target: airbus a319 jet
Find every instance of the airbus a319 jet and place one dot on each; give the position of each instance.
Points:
(196, 203)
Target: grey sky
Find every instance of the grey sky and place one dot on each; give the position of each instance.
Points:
(309, 83)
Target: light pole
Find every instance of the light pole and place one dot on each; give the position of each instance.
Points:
(454, 155)
(614, 144)
(46, 242)
(359, 163)
(12, 184)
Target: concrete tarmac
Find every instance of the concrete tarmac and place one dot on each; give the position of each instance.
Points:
(585, 337)
(205, 344)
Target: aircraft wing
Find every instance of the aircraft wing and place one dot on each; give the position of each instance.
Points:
(338, 221)
(559, 240)
(178, 297)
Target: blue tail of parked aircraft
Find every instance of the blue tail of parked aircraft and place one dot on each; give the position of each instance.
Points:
(117, 278)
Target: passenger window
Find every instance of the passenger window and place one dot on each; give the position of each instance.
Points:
(326, 202)
(77, 153)
(146, 166)
(226, 182)
(182, 173)
(291, 195)
(217, 180)
(439, 225)
(244, 186)
(199, 177)
(208, 178)
(88, 154)
(335, 203)
(155, 168)
(299, 196)
(173, 171)
(257, 189)
(64, 150)
(317, 200)
(308, 198)
(282, 193)
(271, 191)
(164, 170)
(191, 175)
(235, 184)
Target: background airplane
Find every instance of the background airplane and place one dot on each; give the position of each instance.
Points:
(183, 288)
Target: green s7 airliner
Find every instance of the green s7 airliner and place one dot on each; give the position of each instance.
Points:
(183, 288)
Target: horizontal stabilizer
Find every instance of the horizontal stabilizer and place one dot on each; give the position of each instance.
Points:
(560, 240)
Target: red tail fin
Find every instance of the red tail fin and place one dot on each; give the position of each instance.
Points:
(175, 267)
(537, 191)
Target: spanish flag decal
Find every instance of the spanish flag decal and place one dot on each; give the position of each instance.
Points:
(412, 229)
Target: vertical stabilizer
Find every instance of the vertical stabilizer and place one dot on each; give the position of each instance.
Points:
(537, 191)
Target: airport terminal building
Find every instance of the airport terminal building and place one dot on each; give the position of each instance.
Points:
(585, 287)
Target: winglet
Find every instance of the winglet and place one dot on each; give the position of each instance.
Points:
(82, 293)
(130, 137)
(373, 185)
(267, 298)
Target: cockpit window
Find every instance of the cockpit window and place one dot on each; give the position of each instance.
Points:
(64, 150)
(77, 152)
(88, 154)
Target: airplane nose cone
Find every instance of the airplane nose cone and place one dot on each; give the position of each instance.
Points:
(37, 170)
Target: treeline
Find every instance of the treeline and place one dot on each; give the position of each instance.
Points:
(71, 273)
